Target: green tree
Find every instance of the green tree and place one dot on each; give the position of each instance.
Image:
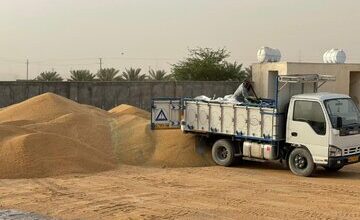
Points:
(207, 64)
(159, 75)
(108, 74)
(49, 76)
(133, 74)
(81, 75)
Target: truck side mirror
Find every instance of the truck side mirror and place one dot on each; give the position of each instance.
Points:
(339, 122)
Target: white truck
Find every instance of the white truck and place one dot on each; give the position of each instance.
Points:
(298, 126)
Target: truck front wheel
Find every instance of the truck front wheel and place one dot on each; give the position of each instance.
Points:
(223, 152)
(301, 162)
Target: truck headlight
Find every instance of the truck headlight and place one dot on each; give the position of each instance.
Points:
(334, 151)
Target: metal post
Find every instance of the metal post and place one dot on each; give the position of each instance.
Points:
(277, 92)
(100, 59)
(27, 69)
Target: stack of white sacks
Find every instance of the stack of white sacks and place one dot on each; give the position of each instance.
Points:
(225, 99)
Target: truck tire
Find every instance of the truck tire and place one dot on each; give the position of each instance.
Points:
(223, 152)
(301, 162)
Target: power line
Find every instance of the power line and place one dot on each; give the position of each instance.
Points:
(11, 61)
(64, 59)
(15, 60)
(141, 58)
(69, 64)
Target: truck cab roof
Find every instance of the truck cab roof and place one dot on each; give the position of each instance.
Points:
(320, 96)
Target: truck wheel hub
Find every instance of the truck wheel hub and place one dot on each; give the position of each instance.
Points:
(300, 161)
(222, 153)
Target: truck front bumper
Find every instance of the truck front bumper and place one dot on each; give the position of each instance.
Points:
(344, 160)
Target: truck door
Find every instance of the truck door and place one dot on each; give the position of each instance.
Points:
(166, 113)
(306, 126)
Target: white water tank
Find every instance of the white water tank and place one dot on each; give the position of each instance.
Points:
(267, 54)
(334, 56)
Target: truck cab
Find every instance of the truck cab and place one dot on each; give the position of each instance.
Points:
(327, 125)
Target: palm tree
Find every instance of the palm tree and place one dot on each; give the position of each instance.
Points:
(108, 74)
(49, 76)
(133, 75)
(81, 75)
(159, 75)
(235, 71)
(248, 71)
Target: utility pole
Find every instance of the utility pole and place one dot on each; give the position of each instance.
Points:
(100, 59)
(27, 69)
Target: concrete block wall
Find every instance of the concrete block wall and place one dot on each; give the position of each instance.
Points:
(107, 95)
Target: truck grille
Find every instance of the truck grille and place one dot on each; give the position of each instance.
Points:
(351, 150)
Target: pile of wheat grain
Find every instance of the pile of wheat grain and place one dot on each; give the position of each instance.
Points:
(50, 135)
(135, 143)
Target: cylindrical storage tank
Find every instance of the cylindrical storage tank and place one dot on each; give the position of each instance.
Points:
(340, 56)
(267, 54)
(334, 56)
(326, 56)
(331, 56)
(276, 55)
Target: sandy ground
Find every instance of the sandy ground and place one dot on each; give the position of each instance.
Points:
(248, 191)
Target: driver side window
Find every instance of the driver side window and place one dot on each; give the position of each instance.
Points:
(311, 113)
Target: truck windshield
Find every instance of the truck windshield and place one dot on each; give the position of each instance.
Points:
(344, 108)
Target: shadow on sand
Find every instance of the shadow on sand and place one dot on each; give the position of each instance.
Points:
(349, 172)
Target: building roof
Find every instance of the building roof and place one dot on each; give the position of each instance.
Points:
(307, 63)
(321, 96)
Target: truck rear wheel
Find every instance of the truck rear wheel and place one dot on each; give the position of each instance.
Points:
(301, 162)
(223, 152)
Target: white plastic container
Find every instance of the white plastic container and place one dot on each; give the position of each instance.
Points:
(334, 56)
(253, 149)
(259, 151)
(269, 152)
(247, 148)
(267, 54)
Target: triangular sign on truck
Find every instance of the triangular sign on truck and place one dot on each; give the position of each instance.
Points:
(161, 116)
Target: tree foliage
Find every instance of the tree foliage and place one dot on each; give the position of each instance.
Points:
(81, 75)
(248, 71)
(159, 75)
(49, 76)
(133, 74)
(209, 65)
(108, 74)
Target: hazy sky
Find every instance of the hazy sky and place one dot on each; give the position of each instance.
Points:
(73, 34)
